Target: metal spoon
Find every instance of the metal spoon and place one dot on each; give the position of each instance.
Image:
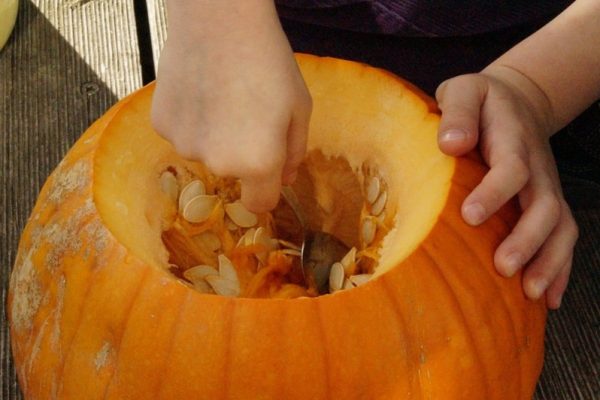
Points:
(319, 249)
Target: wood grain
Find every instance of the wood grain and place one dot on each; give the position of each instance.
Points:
(157, 15)
(65, 64)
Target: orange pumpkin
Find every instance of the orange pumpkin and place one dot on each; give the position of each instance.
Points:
(96, 313)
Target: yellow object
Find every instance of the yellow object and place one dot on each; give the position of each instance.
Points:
(8, 16)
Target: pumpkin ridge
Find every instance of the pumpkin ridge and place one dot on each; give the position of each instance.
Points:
(437, 266)
(50, 279)
(45, 273)
(86, 146)
(178, 319)
(109, 384)
(80, 315)
(500, 295)
(491, 274)
(48, 309)
(413, 358)
(228, 339)
(462, 320)
(326, 361)
(460, 237)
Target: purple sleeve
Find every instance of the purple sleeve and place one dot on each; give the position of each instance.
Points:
(433, 18)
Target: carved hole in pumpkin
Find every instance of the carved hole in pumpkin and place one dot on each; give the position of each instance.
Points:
(335, 200)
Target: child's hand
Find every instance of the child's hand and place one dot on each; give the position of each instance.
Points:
(508, 116)
(229, 93)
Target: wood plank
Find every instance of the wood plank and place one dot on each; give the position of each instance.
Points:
(65, 64)
(157, 16)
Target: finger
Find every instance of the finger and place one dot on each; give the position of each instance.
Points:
(261, 194)
(460, 100)
(296, 145)
(557, 289)
(504, 180)
(551, 266)
(533, 229)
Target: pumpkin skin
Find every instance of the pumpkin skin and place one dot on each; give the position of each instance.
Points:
(94, 314)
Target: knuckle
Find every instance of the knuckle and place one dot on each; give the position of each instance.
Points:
(552, 206)
(306, 101)
(258, 170)
(571, 228)
(495, 196)
(457, 83)
(519, 167)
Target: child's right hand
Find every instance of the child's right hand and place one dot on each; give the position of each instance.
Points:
(229, 93)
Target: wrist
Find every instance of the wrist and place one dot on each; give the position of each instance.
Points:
(219, 20)
(533, 96)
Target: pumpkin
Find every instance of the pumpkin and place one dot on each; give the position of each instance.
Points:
(103, 305)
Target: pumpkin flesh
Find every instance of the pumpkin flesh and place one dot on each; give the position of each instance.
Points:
(95, 311)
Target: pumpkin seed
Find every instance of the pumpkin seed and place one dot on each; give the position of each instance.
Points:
(169, 186)
(247, 238)
(199, 208)
(349, 258)
(262, 238)
(372, 187)
(349, 262)
(199, 272)
(379, 205)
(240, 215)
(348, 284)
(336, 277)
(226, 269)
(223, 287)
(269, 242)
(369, 228)
(230, 224)
(202, 286)
(193, 189)
(360, 279)
(291, 252)
(289, 245)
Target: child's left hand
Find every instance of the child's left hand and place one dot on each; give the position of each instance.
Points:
(509, 117)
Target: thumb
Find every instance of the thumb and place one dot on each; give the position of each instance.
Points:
(460, 100)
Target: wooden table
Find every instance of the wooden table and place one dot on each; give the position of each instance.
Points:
(70, 60)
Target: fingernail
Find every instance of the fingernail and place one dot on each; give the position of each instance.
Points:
(513, 263)
(536, 289)
(453, 135)
(474, 213)
(559, 301)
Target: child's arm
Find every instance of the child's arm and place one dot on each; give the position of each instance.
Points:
(229, 93)
(512, 108)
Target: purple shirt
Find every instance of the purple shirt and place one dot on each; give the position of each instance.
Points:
(433, 18)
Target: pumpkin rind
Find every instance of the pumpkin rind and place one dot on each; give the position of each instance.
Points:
(91, 319)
